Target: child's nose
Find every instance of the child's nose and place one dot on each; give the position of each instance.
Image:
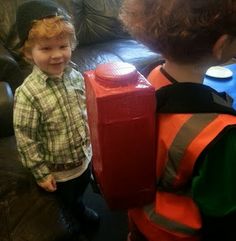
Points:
(56, 54)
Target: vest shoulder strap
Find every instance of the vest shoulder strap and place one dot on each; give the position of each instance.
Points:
(192, 98)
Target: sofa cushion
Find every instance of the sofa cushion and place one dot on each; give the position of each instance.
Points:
(97, 21)
(124, 50)
(7, 18)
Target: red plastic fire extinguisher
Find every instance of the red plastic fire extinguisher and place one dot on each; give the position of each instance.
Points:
(121, 116)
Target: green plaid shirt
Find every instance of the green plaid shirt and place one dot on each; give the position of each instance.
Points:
(50, 121)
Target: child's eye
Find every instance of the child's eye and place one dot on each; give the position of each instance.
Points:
(45, 48)
(64, 46)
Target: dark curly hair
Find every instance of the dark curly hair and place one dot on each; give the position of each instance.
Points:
(182, 30)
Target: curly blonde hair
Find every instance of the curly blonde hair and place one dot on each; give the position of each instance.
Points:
(48, 28)
(182, 30)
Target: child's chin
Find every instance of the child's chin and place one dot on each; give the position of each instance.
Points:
(55, 75)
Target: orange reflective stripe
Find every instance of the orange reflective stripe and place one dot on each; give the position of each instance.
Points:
(166, 223)
(166, 132)
(170, 212)
(199, 143)
(180, 145)
(185, 135)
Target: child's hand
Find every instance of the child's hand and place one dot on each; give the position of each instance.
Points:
(48, 184)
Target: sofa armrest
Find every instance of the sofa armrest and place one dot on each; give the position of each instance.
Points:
(6, 110)
(10, 71)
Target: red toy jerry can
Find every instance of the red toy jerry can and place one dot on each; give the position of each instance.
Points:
(121, 116)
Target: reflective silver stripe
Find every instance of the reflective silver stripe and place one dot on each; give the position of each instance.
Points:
(190, 129)
(166, 223)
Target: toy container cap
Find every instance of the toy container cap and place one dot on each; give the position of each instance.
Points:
(116, 74)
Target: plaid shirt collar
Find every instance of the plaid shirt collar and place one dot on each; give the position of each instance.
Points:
(43, 77)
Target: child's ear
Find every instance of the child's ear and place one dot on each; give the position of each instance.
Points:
(28, 54)
(219, 46)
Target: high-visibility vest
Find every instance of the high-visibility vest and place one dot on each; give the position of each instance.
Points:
(181, 138)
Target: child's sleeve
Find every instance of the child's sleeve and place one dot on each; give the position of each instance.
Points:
(25, 120)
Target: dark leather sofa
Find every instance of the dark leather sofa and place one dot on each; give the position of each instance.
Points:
(26, 212)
